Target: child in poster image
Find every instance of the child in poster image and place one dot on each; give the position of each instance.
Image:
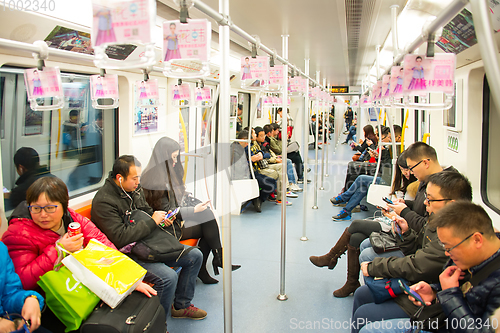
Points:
(105, 33)
(246, 70)
(198, 94)
(399, 83)
(176, 92)
(37, 84)
(172, 44)
(142, 89)
(98, 88)
(417, 81)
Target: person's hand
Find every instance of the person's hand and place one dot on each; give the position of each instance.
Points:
(72, 244)
(7, 326)
(397, 207)
(278, 160)
(450, 276)
(364, 268)
(31, 312)
(402, 223)
(159, 216)
(399, 200)
(425, 292)
(170, 220)
(201, 206)
(388, 213)
(360, 142)
(146, 289)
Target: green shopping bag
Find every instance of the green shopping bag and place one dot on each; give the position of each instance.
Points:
(67, 297)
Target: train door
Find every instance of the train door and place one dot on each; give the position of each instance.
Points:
(244, 101)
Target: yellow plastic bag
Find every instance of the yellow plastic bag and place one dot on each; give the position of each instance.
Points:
(110, 274)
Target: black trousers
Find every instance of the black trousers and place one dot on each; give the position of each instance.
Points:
(361, 230)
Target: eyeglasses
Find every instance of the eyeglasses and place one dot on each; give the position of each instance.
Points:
(454, 247)
(48, 209)
(434, 200)
(413, 167)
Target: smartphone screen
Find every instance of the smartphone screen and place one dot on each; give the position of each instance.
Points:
(397, 228)
(411, 292)
(172, 213)
(389, 201)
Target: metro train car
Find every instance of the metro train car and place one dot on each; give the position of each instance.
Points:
(285, 112)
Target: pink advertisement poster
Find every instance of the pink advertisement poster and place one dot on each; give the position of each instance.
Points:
(276, 75)
(181, 92)
(104, 86)
(422, 75)
(365, 100)
(43, 84)
(386, 86)
(187, 40)
(297, 85)
(255, 71)
(314, 93)
(396, 88)
(146, 90)
(123, 21)
(377, 90)
(203, 96)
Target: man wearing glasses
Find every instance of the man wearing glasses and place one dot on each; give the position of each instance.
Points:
(468, 291)
(422, 161)
(426, 259)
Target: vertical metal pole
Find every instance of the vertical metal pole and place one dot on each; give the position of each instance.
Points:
(394, 31)
(223, 166)
(328, 108)
(284, 143)
(316, 166)
(306, 128)
(378, 62)
(325, 144)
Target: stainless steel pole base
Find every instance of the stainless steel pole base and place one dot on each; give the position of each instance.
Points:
(283, 297)
(314, 207)
(322, 188)
(327, 175)
(304, 238)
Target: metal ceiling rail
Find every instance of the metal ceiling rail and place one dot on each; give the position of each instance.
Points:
(87, 58)
(223, 20)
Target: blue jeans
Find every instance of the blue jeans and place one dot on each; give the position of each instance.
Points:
(289, 170)
(368, 254)
(168, 284)
(388, 326)
(365, 310)
(357, 191)
(352, 133)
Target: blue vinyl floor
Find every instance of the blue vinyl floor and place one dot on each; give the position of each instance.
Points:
(311, 306)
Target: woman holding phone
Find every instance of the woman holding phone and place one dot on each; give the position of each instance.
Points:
(164, 188)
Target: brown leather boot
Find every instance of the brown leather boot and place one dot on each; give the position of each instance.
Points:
(353, 269)
(330, 259)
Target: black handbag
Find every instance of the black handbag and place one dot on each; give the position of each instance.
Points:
(136, 314)
(383, 242)
(189, 201)
(161, 245)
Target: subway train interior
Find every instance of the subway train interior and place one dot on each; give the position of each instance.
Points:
(345, 55)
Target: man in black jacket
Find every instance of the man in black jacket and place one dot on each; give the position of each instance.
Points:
(468, 291)
(120, 195)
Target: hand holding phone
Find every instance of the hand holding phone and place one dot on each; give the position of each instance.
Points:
(410, 292)
(389, 201)
(172, 213)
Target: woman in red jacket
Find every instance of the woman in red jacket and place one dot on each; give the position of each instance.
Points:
(35, 228)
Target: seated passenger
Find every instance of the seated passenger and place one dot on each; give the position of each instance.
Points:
(28, 168)
(275, 146)
(428, 256)
(14, 299)
(240, 169)
(164, 190)
(261, 166)
(120, 194)
(352, 133)
(358, 190)
(469, 287)
(37, 225)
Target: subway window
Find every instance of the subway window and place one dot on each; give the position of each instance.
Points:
(490, 177)
(75, 143)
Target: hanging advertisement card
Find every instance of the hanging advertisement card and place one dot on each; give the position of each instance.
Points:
(275, 78)
(423, 75)
(203, 97)
(45, 83)
(181, 95)
(396, 83)
(386, 83)
(186, 48)
(254, 72)
(297, 86)
(104, 87)
(377, 91)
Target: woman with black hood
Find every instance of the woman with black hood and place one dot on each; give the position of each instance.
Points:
(163, 185)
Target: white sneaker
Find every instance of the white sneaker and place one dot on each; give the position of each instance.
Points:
(291, 195)
(294, 188)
